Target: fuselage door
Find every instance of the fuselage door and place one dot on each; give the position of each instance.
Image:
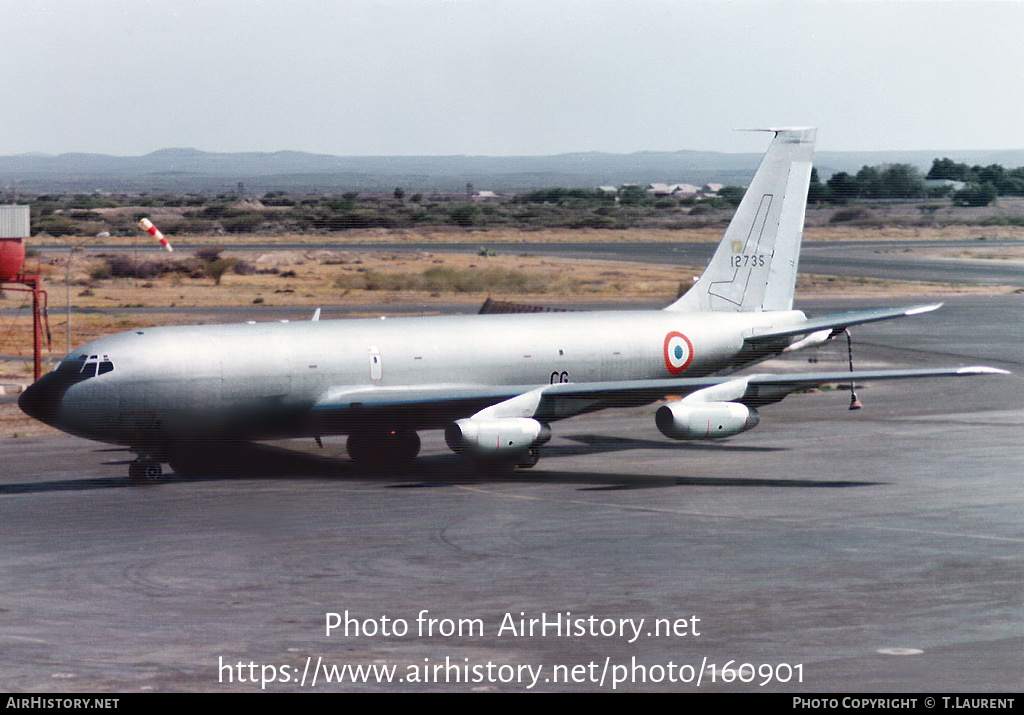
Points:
(376, 369)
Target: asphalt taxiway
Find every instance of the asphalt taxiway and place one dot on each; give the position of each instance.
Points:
(866, 551)
(886, 259)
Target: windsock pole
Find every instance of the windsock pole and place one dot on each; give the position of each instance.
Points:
(147, 226)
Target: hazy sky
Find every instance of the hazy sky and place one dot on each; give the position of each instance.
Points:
(496, 77)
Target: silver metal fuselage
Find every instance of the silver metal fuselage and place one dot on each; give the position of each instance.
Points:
(278, 380)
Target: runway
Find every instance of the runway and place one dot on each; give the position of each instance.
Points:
(868, 551)
(880, 258)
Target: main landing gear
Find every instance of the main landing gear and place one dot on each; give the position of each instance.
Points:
(144, 470)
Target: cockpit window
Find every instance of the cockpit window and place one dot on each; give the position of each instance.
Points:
(97, 365)
(73, 363)
(82, 367)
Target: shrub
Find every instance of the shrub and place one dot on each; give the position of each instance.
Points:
(57, 225)
(243, 223)
(243, 268)
(634, 196)
(216, 269)
(463, 216)
(976, 195)
(209, 253)
(851, 214)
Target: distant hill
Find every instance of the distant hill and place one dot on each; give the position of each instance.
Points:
(182, 170)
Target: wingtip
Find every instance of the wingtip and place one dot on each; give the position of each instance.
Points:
(982, 370)
(918, 309)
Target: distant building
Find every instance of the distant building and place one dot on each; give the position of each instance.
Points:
(14, 221)
(673, 189)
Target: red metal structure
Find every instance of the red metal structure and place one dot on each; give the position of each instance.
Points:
(12, 258)
(13, 277)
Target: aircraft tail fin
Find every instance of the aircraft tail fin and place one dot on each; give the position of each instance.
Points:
(755, 265)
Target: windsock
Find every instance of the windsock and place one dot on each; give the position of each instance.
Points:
(147, 226)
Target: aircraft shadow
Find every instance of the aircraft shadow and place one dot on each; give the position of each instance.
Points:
(273, 462)
(66, 485)
(597, 444)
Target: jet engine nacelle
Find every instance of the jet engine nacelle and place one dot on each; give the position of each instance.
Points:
(709, 420)
(497, 435)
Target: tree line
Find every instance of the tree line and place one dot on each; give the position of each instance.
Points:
(983, 184)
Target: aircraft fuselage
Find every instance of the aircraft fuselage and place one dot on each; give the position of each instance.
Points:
(492, 382)
(270, 380)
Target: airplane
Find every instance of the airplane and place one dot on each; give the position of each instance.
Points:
(493, 383)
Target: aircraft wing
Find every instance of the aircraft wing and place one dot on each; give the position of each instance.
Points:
(837, 323)
(766, 389)
(435, 405)
(566, 400)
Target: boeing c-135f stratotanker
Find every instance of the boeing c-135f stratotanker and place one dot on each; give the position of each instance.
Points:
(494, 383)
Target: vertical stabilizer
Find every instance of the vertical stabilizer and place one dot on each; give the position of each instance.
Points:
(754, 268)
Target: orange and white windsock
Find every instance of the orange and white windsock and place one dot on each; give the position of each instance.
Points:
(147, 226)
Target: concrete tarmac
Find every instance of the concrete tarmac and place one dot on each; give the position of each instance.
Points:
(880, 550)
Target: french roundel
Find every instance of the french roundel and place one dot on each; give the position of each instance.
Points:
(678, 352)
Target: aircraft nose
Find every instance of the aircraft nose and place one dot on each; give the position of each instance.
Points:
(42, 399)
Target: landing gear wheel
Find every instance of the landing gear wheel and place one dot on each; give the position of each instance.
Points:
(145, 471)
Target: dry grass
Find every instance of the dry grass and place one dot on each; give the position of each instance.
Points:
(912, 233)
(1004, 253)
(442, 234)
(351, 276)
